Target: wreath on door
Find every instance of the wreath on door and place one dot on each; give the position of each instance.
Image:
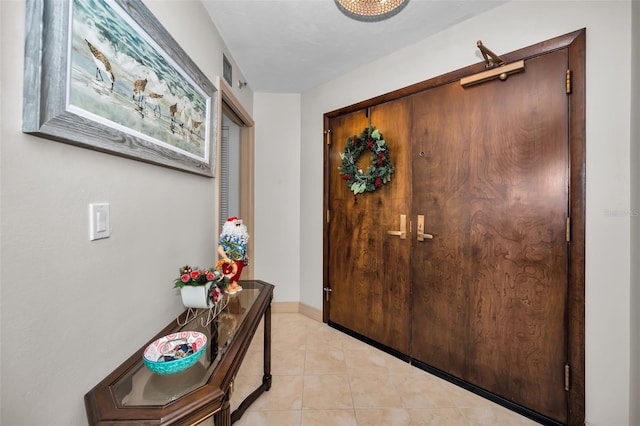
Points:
(379, 171)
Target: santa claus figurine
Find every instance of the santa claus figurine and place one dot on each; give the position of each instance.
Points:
(233, 251)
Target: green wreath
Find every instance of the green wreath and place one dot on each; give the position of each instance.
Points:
(380, 170)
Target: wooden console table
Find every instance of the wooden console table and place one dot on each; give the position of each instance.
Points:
(133, 394)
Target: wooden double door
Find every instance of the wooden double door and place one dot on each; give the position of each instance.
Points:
(477, 286)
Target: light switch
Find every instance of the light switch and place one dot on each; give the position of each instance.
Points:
(99, 226)
(102, 222)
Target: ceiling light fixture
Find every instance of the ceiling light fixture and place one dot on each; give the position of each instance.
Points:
(370, 10)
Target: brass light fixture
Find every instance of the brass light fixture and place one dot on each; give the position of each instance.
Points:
(370, 10)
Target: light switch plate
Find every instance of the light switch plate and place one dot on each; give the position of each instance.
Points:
(99, 221)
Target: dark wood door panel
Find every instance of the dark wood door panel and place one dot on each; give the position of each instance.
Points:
(490, 288)
(368, 268)
(441, 164)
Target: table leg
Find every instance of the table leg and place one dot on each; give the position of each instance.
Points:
(223, 417)
(266, 378)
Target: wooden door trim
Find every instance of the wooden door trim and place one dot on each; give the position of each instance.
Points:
(247, 160)
(326, 304)
(575, 42)
(577, 212)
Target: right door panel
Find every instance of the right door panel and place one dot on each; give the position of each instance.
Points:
(490, 176)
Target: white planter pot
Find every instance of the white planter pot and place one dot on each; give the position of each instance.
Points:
(195, 296)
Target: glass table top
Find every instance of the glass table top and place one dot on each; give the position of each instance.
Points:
(141, 387)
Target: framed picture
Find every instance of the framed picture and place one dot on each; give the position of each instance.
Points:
(106, 75)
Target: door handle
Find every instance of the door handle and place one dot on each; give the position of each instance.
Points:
(402, 233)
(421, 234)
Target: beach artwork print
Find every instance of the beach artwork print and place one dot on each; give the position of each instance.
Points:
(121, 78)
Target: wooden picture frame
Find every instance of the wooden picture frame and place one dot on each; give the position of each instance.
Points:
(106, 75)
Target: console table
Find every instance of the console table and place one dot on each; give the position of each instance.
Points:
(133, 394)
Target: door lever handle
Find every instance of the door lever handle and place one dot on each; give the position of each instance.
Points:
(420, 233)
(402, 233)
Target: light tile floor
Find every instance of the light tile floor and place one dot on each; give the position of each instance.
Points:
(324, 377)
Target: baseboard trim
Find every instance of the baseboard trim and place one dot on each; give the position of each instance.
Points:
(297, 308)
(285, 307)
(311, 312)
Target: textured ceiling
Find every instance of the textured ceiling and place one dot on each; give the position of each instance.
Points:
(291, 46)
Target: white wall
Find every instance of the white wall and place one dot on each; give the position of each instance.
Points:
(509, 27)
(277, 193)
(73, 310)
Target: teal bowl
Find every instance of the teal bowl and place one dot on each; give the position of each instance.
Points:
(164, 356)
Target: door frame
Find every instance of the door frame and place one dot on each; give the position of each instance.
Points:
(575, 42)
(229, 102)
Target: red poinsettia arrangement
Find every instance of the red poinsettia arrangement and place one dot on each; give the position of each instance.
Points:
(195, 276)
